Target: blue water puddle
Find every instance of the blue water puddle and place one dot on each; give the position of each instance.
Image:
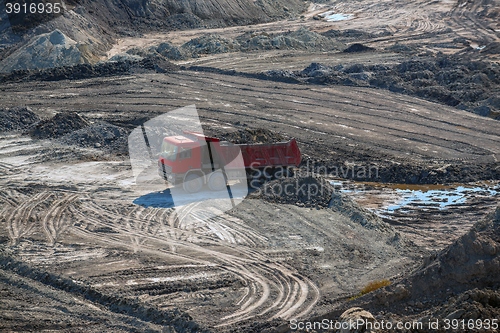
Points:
(335, 17)
(410, 199)
(439, 199)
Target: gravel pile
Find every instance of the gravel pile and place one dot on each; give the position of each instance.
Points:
(17, 118)
(57, 126)
(356, 47)
(459, 82)
(349, 33)
(150, 62)
(208, 44)
(474, 257)
(258, 135)
(158, 63)
(306, 191)
(170, 51)
(302, 39)
(99, 135)
(459, 282)
(45, 51)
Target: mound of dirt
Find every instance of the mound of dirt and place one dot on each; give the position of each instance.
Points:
(312, 40)
(401, 48)
(460, 282)
(170, 51)
(472, 261)
(302, 39)
(462, 83)
(356, 47)
(57, 126)
(17, 118)
(315, 69)
(150, 62)
(99, 135)
(259, 135)
(158, 63)
(348, 33)
(122, 57)
(45, 51)
(209, 44)
(305, 191)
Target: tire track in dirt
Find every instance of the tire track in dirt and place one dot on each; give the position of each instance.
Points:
(21, 220)
(56, 221)
(465, 15)
(375, 106)
(398, 125)
(243, 262)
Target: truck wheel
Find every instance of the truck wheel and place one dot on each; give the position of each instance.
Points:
(192, 183)
(217, 181)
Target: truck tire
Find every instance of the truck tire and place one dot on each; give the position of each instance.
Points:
(192, 183)
(217, 181)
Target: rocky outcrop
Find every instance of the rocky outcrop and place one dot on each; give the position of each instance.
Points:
(351, 321)
(209, 13)
(45, 51)
(471, 262)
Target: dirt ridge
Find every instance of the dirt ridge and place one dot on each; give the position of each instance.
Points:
(181, 322)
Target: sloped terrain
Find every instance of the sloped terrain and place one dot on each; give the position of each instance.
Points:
(372, 90)
(82, 236)
(93, 25)
(45, 51)
(456, 81)
(460, 282)
(337, 127)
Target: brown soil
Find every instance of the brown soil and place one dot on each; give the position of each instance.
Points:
(88, 246)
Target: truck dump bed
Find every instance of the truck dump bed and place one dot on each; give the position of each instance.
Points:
(262, 155)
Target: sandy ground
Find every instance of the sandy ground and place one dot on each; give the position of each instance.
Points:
(75, 240)
(427, 25)
(324, 119)
(78, 219)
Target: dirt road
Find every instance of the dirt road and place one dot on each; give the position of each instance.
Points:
(78, 220)
(342, 124)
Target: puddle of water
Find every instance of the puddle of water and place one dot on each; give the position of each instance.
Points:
(440, 199)
(335, 17)
(410, 197)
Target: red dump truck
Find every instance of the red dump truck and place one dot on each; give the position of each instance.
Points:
(194, 160)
